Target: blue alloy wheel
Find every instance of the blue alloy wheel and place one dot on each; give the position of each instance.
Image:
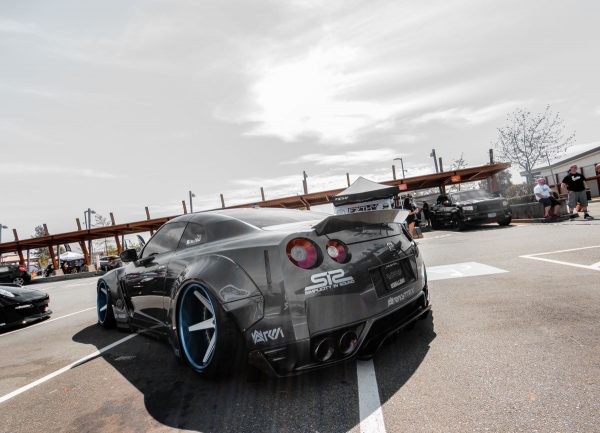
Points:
(197, 326)
(102, 303)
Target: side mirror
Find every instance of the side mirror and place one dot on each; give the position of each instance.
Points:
(129, 255)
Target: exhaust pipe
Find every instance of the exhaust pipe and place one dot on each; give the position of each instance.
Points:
(324, 350)
(348, 342)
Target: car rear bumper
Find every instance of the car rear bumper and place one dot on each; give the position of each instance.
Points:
(298, 357)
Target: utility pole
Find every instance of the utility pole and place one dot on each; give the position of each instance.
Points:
(433, 155)
(88, 222)
(192, 195)
(401, 167)
(394, 171)
(304, 184)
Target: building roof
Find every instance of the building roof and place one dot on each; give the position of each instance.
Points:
(566, 160)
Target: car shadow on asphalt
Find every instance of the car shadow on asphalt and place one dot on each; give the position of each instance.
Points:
(174, 395)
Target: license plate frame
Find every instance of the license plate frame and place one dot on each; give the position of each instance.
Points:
(492, 215)
(397, 274)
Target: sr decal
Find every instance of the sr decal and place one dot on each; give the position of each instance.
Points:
(266, 336)
(328, 280)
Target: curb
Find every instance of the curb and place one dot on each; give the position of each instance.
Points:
(78, 276)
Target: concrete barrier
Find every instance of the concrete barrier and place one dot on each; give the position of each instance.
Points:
(534, 210)
(78, 276)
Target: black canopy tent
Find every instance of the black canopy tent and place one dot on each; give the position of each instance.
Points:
(363, 191)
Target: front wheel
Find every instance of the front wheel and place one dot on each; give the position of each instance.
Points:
(505, 221)
(210, 342)
(19, 281)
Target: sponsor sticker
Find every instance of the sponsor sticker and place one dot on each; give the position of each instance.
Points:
(327, 281)
(393, 300)
(266, 336)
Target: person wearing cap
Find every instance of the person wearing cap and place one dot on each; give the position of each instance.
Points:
(543, 194)
(576, 185)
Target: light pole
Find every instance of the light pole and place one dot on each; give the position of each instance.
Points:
(401, 166)
(2, 226)
(432, 154)
(88, 222)
(192, 195)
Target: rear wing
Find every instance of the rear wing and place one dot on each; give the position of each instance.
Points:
(336, 223)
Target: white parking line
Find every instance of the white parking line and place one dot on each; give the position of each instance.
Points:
(593, 267)
(65, 369)
(47, 321)
(461, 270)
(371, 415)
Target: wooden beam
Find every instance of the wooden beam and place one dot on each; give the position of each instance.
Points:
(52, 254)
(117, 240)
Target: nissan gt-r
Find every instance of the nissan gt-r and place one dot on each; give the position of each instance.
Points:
(20, 305)
(287, 290)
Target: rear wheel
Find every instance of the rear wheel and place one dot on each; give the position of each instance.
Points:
(210, 342)
(104, 309)
(19, 281)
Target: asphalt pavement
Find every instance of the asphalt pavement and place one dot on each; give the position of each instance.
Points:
(513, 346)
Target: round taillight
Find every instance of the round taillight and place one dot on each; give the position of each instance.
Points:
(22, 269)
(303, 253)
(338, 251)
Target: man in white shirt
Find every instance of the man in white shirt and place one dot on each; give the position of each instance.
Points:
(543, 194)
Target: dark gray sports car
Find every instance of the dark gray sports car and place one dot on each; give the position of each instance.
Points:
(288, 290)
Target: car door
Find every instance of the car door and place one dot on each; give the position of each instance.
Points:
(145, 280)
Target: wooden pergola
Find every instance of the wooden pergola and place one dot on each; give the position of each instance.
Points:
(305, 201)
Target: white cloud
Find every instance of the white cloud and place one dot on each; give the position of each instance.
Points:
(38, 169)
(469, 115)
(349, 158)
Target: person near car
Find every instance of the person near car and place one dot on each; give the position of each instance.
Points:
(576, 185)
(427, 214)
(543, 194)
(412, 214)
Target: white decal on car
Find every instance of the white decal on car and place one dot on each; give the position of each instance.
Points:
(265, 336)
(328, 280)
(393, 300)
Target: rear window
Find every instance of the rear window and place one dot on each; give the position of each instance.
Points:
(272, 217)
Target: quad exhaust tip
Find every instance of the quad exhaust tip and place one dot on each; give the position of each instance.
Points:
(348, 342)
(324, 349)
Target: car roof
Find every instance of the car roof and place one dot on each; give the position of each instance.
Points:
(252, 216)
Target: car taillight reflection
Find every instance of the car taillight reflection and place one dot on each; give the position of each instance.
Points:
(303, 253)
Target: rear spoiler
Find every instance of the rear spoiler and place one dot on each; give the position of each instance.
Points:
(336, 223)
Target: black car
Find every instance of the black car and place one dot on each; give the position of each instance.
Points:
(466, 208)
(15, 274)
(19, 305)
(287, 290)
(108, 263)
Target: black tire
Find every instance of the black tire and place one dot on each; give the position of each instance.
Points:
(505, 221)
(19, 281)
(459, 223)
(215, 347)
(104, 308)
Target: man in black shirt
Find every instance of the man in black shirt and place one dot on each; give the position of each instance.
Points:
(575, 183)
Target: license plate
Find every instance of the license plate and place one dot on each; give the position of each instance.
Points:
(396, 274)
(491, 215)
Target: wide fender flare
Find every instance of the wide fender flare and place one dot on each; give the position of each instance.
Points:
(111, 279)
(228, 282)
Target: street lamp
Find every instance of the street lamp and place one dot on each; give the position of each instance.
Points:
(432, 154)
(192, 195)
(304, 184)
(401, 166)
(2, 226)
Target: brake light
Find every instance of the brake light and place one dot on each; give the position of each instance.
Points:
(338, 251)
(303, 253)
(21, 268)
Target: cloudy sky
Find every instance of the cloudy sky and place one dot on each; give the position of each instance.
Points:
(119, 105)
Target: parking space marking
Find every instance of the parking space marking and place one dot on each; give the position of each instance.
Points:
(461, 270)
(44, 322)
(593, 267)
(65, 369)
(371, 415)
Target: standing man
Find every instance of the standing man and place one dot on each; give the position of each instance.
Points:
(575, 183)
(543, 194)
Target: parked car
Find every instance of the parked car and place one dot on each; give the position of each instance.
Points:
(465, 208)
(108, 263)
(19, 305)
(15, 274)
(289, 291)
